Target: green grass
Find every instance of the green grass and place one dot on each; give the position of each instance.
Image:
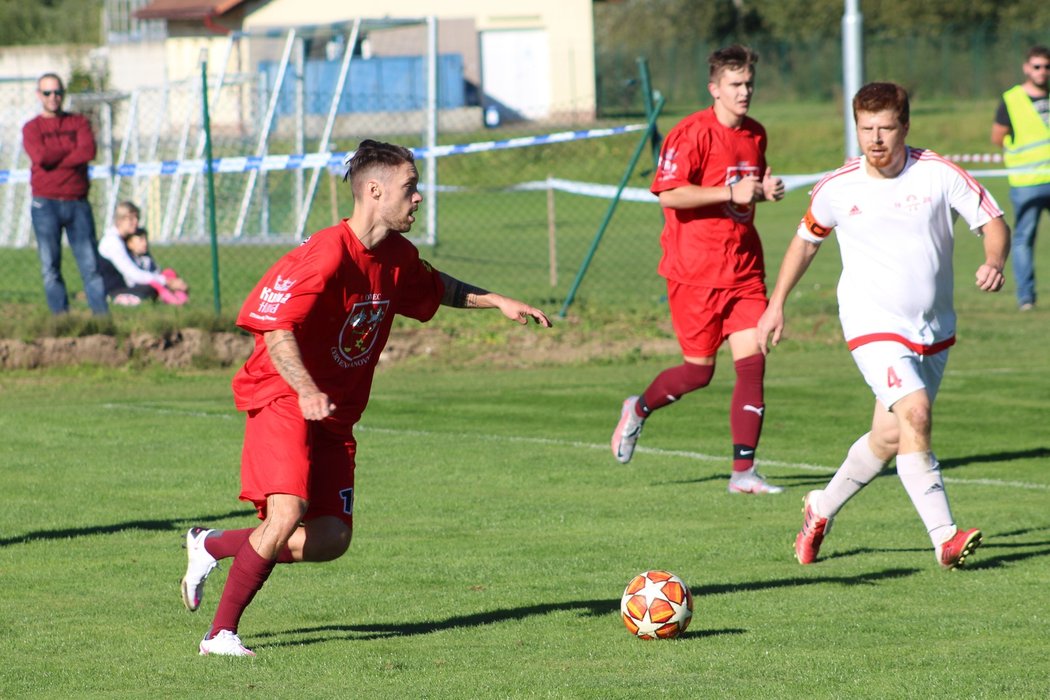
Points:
(494, 532)
(494, 535)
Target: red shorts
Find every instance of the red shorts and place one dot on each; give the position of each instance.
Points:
(703, 317)
(285, 453)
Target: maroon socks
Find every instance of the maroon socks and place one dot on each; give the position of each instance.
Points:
(747, 410)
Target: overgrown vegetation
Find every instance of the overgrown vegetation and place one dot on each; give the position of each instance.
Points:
(44, 22)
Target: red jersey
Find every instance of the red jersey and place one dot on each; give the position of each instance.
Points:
(59, 149)
(339, 299)
(717, 245)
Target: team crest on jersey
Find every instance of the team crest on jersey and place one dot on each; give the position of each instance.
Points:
(667, 167)
(361, 330)
(735, 174)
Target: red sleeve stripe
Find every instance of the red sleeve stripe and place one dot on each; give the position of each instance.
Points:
(986, 204)
(851, 166)
(937, 347)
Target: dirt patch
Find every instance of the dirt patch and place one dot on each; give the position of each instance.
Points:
(184, 348)
(519, 347)
(514, 347)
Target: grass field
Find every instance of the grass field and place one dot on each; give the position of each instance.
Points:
(495, 532)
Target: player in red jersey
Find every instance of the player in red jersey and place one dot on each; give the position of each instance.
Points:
(711, 174)
(321, 316)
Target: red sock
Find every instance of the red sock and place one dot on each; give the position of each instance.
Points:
(673, 383)
(747, 410)
(223, 544)
(226, 543)
(248, 573)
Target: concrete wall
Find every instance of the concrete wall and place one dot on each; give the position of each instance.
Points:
(127, 66)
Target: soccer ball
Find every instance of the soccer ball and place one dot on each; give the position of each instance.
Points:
(656, 605)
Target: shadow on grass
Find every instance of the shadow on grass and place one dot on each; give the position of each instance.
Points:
(996, 561)
(993, 543)
(142, 525)
(329, 633)
(1035, 453)
(987, 556)
(785, 480)
(701, 480)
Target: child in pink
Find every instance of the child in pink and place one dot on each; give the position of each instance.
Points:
(173, 292)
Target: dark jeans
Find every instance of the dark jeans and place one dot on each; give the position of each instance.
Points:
(50, 216)
(1029, 203)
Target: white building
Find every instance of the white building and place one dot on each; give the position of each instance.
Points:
(530, 58)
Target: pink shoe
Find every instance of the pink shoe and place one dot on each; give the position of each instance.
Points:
(810, 537)
(627, 431)
(168, 296)
(953, 553)
(127, 300)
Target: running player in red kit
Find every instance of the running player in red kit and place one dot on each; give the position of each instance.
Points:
(321, 317)
(711, 174)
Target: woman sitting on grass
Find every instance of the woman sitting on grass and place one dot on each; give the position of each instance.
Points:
(130, 274)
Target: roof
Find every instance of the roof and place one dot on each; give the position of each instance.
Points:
(186, 9)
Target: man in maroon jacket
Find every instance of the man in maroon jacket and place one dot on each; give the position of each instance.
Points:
(60, 146)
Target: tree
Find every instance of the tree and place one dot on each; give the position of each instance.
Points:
(50, 22)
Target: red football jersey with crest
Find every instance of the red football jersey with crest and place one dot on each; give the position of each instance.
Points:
(339, 299)
(716, 245)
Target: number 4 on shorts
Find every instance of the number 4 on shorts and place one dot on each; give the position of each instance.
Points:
(892, 380)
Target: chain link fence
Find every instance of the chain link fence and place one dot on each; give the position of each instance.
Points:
(514, 217)
(518, 219)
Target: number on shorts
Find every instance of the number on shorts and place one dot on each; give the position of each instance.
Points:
(892, 380)
(348, 500)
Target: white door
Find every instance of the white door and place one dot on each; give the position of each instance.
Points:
(515, 72)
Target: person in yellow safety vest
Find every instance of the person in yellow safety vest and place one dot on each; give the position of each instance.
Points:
(1022, 130)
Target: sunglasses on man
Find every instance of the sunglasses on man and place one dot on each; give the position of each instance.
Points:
(49, 93)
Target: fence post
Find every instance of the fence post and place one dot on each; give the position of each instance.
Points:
(210, 175)
(646, 136)
(552, 234)
(647, 99)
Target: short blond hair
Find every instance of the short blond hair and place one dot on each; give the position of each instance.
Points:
(125, 209)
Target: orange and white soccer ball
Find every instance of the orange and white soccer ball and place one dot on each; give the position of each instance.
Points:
(656, 605)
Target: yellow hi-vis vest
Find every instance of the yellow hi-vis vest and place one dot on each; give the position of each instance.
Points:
(1029, 144)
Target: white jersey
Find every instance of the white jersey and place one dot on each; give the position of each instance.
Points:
(896, 239)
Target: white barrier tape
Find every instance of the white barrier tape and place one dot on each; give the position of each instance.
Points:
(976, 158)
(335, 162)
(309, 161)
(629, 194)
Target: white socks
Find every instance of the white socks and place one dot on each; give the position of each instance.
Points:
(918, 471)
(921, 476)
(856, 472)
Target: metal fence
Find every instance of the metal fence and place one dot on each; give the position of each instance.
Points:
(515, 207)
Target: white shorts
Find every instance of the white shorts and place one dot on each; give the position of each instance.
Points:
(893, 371)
